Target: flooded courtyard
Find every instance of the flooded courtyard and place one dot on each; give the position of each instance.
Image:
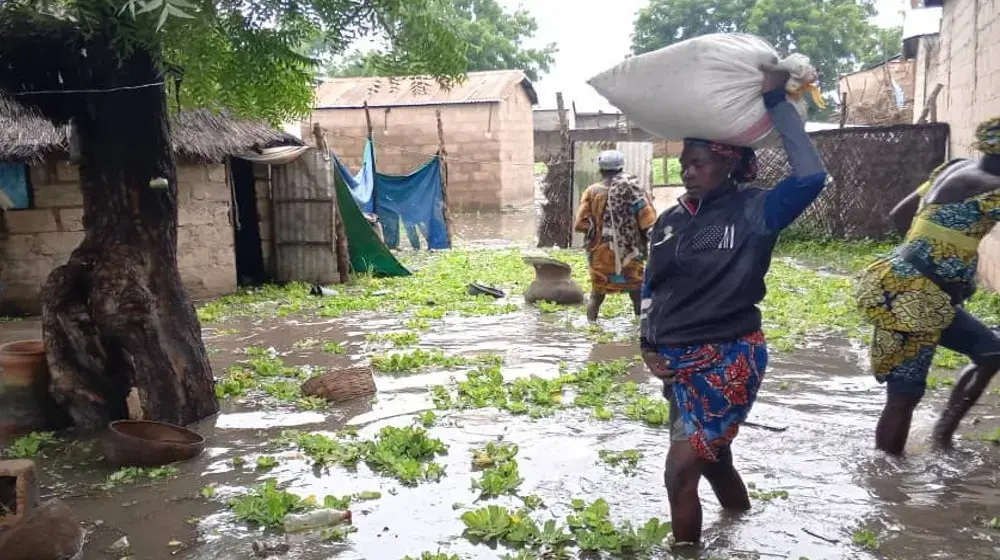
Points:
(819, 489)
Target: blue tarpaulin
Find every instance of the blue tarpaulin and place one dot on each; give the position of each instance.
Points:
(415, 200)
(14, 184)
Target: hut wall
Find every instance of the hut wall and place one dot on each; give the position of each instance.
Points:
(39, 239)
(406, 137)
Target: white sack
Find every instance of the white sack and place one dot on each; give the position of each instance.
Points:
(707, 87)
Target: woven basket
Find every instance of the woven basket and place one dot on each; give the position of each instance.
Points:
(342, 384)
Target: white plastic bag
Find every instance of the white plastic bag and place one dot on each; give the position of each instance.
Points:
(707, 87)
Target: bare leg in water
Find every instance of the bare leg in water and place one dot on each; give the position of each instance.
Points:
(597, 299)
(970, 387)
(683, 472)
(967, 335)
(894, 425)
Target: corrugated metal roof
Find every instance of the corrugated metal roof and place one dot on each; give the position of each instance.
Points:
(478, 87)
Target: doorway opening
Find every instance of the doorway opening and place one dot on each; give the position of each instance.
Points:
(250, 269)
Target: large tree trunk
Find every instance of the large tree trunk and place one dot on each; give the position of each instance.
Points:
(121, 334)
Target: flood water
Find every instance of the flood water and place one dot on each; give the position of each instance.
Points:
(924, 506)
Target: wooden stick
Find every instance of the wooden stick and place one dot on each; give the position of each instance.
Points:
(930, 106)
(341, 248)
(843, 109)
(371, 138)
(443, 158)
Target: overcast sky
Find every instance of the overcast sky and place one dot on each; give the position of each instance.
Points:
(599, 37)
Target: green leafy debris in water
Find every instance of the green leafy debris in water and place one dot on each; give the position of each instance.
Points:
(865, 539)
(493, 454)
(416, 360)
(533, 502)
(502, 478)
(30, 446)
(135, 475)
(627, 460)
(434, 556)
(589, 528)
(935, 382)
(427, 419)
(991, 437)
(337, 533)
(266, 462)
(207, 491)
(334, 347)
(397, 339)
(405, 454)
(267, 505)
(768, 495)
(599, 386)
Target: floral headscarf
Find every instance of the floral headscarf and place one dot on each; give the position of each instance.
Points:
(746, 159)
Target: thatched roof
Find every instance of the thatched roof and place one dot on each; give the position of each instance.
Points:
(200, 135)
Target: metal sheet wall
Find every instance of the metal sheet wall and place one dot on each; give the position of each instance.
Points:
(638, 162)
(304, 207)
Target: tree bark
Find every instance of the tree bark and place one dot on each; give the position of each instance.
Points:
(121, 335)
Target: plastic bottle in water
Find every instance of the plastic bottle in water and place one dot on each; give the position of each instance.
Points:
(316, 519)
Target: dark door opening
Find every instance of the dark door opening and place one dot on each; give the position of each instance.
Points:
(250, 269)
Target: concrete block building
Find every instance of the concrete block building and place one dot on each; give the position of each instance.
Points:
(486, 121)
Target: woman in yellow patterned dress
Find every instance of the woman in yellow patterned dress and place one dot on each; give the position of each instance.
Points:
(615, 215)
(913, 297)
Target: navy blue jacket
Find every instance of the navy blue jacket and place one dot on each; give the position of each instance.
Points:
(708, 258)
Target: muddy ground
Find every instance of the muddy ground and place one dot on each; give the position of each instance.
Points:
(927, 505)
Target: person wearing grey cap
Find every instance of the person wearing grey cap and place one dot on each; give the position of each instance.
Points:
(615, 215)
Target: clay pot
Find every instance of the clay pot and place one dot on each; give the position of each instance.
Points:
(23, 364)
(143, 443)
(553, 282)
(25, 403)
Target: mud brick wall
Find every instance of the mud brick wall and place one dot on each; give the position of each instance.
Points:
(40, 239)
(491, 146)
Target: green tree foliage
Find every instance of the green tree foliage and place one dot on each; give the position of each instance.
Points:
(835, 34)
(495, 38)
(245, 56)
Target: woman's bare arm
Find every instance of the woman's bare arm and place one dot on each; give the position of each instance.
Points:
(902, 214)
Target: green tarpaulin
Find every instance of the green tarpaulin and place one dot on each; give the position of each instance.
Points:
(368, 253)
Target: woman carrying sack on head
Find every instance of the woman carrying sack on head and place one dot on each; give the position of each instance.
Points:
(914, 297)
(615, 215)
(701, 328)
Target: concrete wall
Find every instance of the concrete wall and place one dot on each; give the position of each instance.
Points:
(965, 62)
(37, 240)
(489, 144)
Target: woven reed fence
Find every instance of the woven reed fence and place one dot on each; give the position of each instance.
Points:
(871, 170)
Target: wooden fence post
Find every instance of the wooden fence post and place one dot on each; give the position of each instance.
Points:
(371, 138)
(843, 109)
(443, 157)
(343, 256)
